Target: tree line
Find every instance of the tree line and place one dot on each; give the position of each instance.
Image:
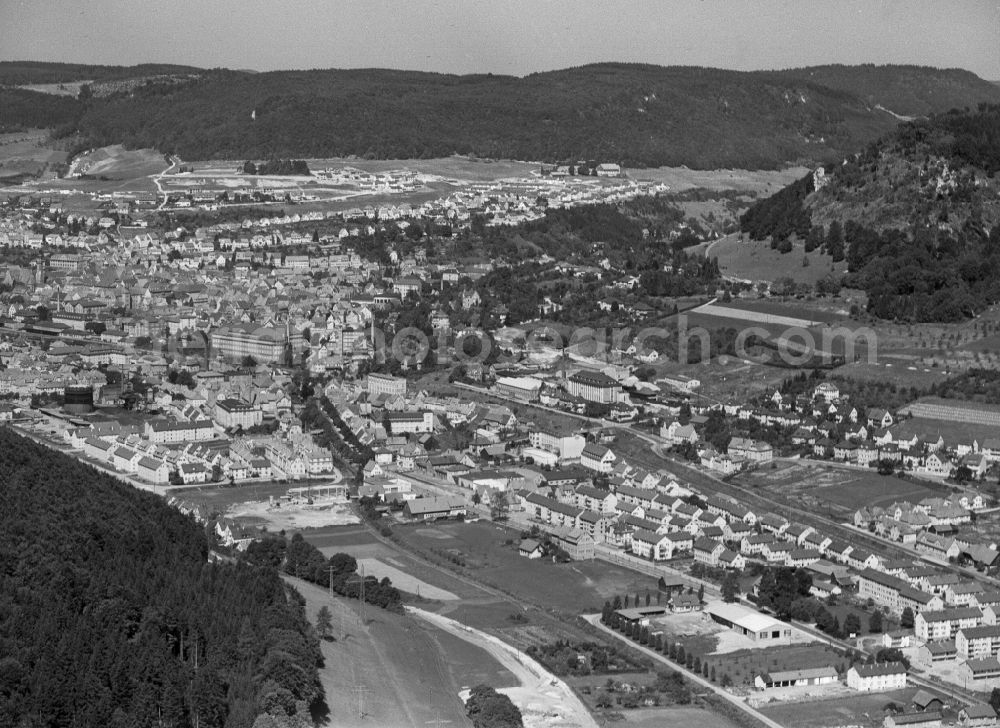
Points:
(299, 558)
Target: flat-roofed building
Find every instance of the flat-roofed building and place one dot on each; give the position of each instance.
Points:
(758, 627)
(525, 389)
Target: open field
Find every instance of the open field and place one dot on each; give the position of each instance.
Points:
(27, 153)
(287, 516)
(412, 671)
(757, 261)
(574, 587)
(951, 431)
(855, 709)
(841, 490)
(116, 162)
(404, 580)
(809, 312)
(762, 182)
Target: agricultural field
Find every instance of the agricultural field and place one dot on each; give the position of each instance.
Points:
(837, 491)
(851, 709)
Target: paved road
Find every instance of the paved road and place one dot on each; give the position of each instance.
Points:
(595, 619)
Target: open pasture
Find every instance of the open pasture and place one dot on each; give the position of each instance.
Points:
(757, 261)
(843, 489)
(762, 182)
(573, 587)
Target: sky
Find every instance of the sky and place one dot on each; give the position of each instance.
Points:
(504, 36)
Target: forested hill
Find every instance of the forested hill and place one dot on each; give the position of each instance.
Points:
(637, 115)
(111, 616)
(916, 215)
(904, 90)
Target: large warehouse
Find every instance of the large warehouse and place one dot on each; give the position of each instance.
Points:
(758, 627)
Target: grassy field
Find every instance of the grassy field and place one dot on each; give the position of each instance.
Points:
(27, 153)
(792, 308)
(411, 671)
(572, 588)
(757, 261)
(856, 709)
(761, 182)
(840, 490)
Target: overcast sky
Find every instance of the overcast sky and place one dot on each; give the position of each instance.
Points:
(504, 36)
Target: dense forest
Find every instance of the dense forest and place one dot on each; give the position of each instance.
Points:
(111, 614)
(21, 109)
(20, 73)
(916, 215)
(638, 115)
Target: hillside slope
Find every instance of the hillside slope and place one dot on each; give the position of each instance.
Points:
(638, 115)
(110, 614)
(917, 216)
(905, 90)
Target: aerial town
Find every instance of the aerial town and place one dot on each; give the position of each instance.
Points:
(252, 354)
(539, 386)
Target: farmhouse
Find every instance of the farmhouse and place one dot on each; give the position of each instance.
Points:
(880, 677)
(749, 623)
(529, 548)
